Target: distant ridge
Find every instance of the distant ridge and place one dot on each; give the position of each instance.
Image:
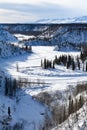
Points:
(82, 19)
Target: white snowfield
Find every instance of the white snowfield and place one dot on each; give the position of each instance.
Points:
(28, 110)
(23, 37)
(29, 67)
(82, 19)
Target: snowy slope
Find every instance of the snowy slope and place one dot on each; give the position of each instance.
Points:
(5, 36)
(24, 110)
(9, 45)
(8, 50)
(68, 36)
(75, 123)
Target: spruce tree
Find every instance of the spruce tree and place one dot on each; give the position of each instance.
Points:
(73, 65)
(83, 66)
(41, 63)
(69, 108)
(67, 64)
(6, 86)
(53, 65)
(81, 101)
(17, 67)
(56, 59)
(9, 111)
(86, 67)
(14, 86)
(78, 65)
(72, 106)
(45, 64)
(64, 113)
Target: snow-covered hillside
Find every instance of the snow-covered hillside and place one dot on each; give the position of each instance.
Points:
(68, 36)
(5, 36)
(9, 45)
(71, 38)
(76, 121)
(25, 112)
(82, 19)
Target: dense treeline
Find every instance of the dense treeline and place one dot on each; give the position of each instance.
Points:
(47, 64)
(70, 62)
(65, 60)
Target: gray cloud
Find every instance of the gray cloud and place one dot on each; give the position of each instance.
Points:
(45, 10)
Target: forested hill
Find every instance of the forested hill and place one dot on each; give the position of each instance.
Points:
(71, 35)
(37, 27)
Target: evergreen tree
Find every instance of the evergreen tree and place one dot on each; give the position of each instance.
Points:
(10, 93)
(64, 113)
(83, 66)
(73, 65)
(76, 105)
(26, 47)
(9, 111)
(86, 67)
(69, 108)
(41, 63)
(60, 118)
(56, 60)
(45, 64)
(50, 64)
(78, 64)
(53, 64)
(14, 86)
(30, 48)
(67, 64)
(81, 101)
(17, 67)
(6, 86)
(72, 106)
(69, 60)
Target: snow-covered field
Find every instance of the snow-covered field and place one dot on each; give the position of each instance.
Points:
(23, 37)
(29, 67)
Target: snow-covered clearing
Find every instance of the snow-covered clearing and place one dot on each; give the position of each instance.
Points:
(23, 37)
(29, 67)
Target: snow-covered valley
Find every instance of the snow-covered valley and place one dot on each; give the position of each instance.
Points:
(29, 67)
(28, 109)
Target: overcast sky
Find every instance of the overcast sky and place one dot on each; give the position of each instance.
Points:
(26, 11)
